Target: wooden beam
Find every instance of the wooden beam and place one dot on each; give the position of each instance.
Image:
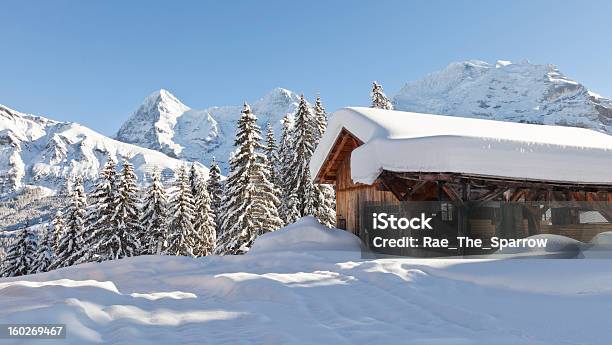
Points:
(492, 194)
(475, 180)
(518, 194)
(336, 150)
(336, 154)
(387, 180)
(414, 189)
(453, 195)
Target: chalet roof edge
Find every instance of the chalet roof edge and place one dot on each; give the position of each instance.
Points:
(406, 141)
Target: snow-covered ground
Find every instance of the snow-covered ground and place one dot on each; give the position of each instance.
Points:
(309, 285)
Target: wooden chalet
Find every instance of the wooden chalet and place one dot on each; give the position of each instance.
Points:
(560, 176)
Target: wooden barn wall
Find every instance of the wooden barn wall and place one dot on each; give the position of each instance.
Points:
(349, 195)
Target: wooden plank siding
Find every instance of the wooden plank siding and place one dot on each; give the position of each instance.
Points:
(349, 195)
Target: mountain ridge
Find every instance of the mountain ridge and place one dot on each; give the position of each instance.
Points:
(40, 152)
(517, 92)
(164, 123)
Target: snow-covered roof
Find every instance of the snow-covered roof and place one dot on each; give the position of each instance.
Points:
(404, 141)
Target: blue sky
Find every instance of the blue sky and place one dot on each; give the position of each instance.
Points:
(94, 61)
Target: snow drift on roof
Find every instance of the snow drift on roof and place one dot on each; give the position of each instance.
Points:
(405, 141)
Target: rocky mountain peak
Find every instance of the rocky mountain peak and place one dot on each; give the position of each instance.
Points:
(518, 92)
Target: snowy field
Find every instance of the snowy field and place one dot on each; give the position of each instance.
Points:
(308, 285)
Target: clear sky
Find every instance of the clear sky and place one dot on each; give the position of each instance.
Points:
(94, 61)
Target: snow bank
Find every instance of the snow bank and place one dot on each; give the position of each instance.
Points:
(604, 238)
(404, 141)
(304, 235)
(317, 298)
(280, 294)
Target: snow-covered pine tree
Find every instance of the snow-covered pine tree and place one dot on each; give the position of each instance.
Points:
(57, 229)
(266, 197)
(325, 204)
(154, 218)
(70, 247)
(44, 251)
(320, 117)
(271, 151)
(20, 255)
(204, 224)
(324, 194)
(181, 233)
(128, 232)
(304, 141)
(238, 225)
(379, 99)
(194, 180)
(288, 210)
(291, 209)
(215, 190)
(2, 253)
(100, 225)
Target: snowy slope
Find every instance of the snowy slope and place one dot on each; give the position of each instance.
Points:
(165, 124)
(41, 152)
(518, 92)
(330, 296)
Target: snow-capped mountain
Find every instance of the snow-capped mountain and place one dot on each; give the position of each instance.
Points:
(518, 92)
(165, 124)
(40, 152)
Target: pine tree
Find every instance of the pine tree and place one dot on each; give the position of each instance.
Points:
(285, 158)
(324, 195)
(379, 99)
(194, 180)
(325, 204)
(128, 232)
(271, 151)
(181, 232)
(44, 251)
(2, 254)
(57, 229)
(20, 255)
(70, 247)
(215, 190)
(266, 197)
(291, 209)
(239, 226)
(204, 220)
(320, 117)
(273, 164)
(100, 225)
(154, 218)
(304, 140)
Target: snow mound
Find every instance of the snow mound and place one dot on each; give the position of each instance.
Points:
(304, 235)
(333, 297)
(604, 238)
